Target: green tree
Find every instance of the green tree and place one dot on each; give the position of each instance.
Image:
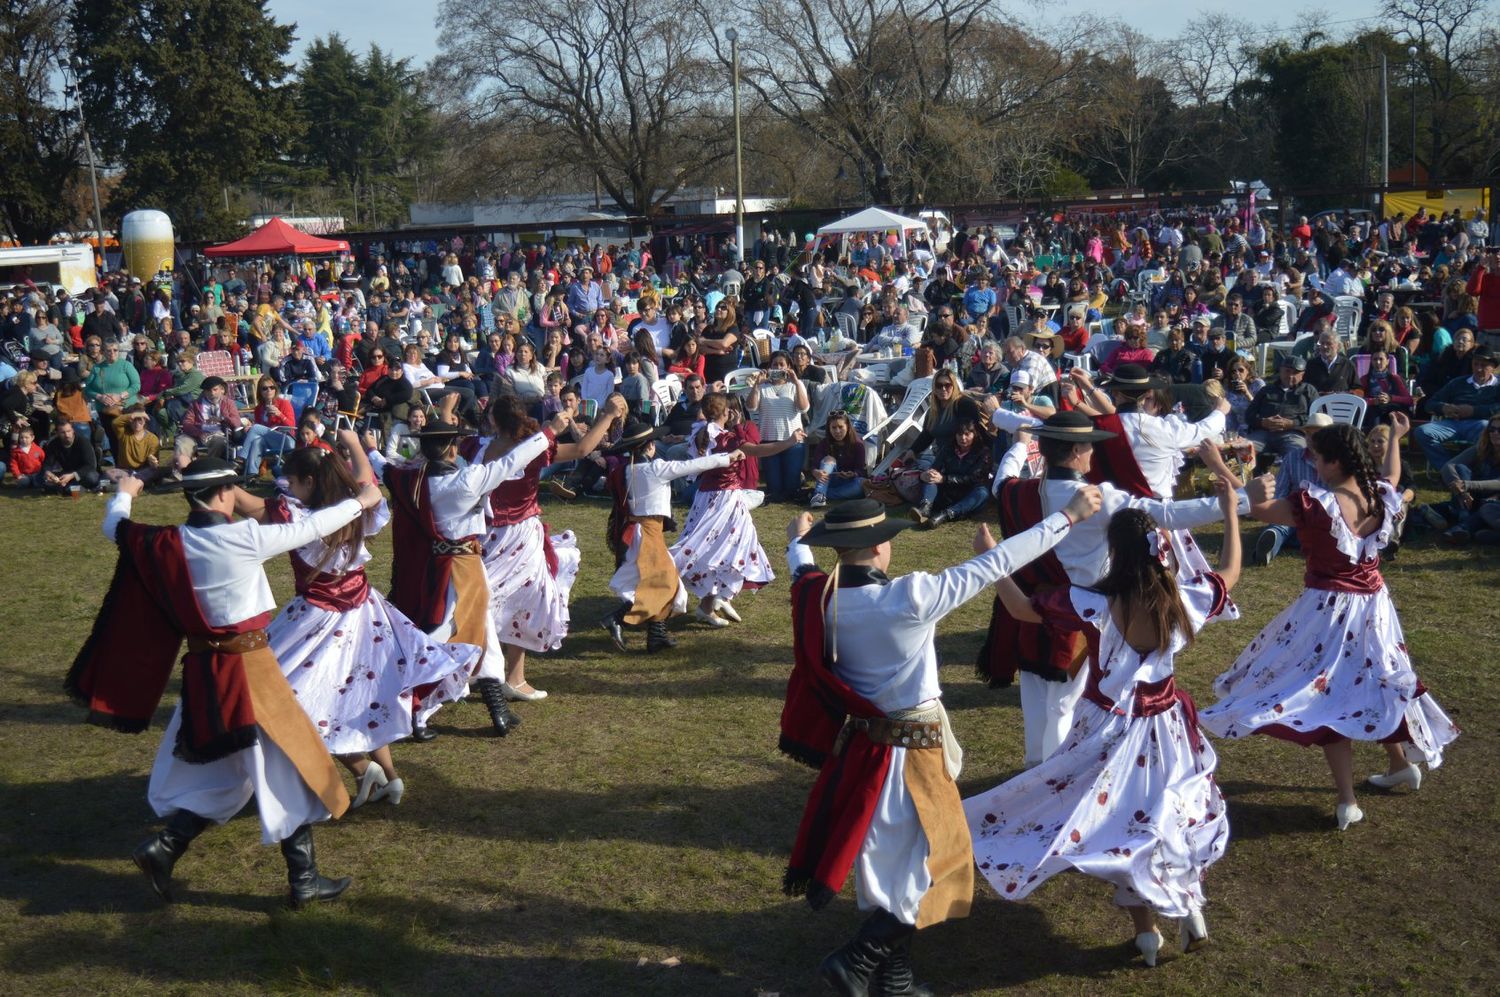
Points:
(39, 142)
(188, 98)
(369, 128)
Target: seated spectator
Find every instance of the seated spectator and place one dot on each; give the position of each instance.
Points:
(1329, 370)
(958, 482)
(923, 363)
(1216, 358)
(839, 462)
(212, 423)
(1075, 330)
(187, 381)
(137, 455)
(272, 425)
(1175, 361)
(27, 458)
(598, 381)
(447, 391)
(1133, 350)
(1295, 471)
(635, 386)
(527, 378)
(979, 301)
(19, 404)
(1382, 336)
(988, 376)
(1267, 316)
(1385, 391)
(552, 395)
(1239, 328)
(807, 371)
(297, 366)
(1473, 476)
(312, 433)
(1280, 409)
(454, 368)
(688, 362)
(898, 335)
(1018, 357)
(70, 404)
(402, 440)
(681, 417)
(70, 463)
(1460, 409)
(154, 377)
(112, 384)
(1240, 387)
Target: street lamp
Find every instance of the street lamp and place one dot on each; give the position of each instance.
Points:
(739, 161)
(76, 65)
(1412, 55)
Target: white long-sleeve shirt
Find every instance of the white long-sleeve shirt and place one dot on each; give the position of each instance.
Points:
(1084, 552)
(1159, 441)
(650, 481)
(458, 498)
(225, 561)
(883, 633)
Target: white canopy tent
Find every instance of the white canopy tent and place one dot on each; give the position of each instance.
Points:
(872, 220)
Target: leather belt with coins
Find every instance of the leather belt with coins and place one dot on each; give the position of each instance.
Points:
(233, 644)
(900, 733)
(466, 546)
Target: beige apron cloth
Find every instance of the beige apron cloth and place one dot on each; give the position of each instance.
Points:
(282, 719)
(471, 601)
(657, 588)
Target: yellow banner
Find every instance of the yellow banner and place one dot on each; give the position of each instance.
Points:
(1466, 199)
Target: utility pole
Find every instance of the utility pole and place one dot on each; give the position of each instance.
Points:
(1385, 130)
(76, 65)
(739, 162)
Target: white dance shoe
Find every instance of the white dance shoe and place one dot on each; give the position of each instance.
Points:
(1149, 943)
(709, 618)
(1348, 813)
(1192, 932)
(516, 695)
(373, 779)
(1409, 776)
(726, 610)
(391, 790)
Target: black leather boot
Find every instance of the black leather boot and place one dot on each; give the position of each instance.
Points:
(938, 519)
(894, 978)
(501, 715)
(657, 638)
(921, 512)
(614, 625)
(159, 854)
(850, 969)
(302, 871)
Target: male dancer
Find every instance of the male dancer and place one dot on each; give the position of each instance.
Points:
(238, 730)
(863, 704)
(1051, 672)
(437, 567)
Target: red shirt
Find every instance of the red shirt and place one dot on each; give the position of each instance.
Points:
(280, 414)
(1486, 287)
(1075, 340)
(26, 461)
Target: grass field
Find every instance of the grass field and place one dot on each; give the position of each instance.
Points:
(630, 838)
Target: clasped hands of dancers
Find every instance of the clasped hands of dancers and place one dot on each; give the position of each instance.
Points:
(1097, 588)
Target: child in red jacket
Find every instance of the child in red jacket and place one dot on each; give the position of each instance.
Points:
(26, 459)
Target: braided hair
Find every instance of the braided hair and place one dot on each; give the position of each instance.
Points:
(1342, 444)
(1139, 579)
(509, 419)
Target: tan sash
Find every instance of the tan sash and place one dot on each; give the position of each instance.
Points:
(657, 588)
(281, 718)
(950, 852)
(471, 605)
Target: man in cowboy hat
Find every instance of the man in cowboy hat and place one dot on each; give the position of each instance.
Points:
(238, 730)
(437, 566)
(1051, 679)
(863, 704)
(1141, 404)
(645, 579)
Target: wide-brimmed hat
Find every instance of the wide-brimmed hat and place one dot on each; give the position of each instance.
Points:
(636, 434)
(209, 472)
(1071, 427)
(853, 525)
(1483, 354)
(1129, 376)
(444, 431)
(210, 383)
(1318, 420)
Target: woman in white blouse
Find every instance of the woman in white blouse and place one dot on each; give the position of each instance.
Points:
(527, 376)
(779, 398)
(439, 387)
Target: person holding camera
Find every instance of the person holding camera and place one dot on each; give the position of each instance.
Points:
(780, 398)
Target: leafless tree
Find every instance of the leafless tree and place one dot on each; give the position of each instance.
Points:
(1132, 135)
(1448, 36)
(620, 83)
(1214, 54)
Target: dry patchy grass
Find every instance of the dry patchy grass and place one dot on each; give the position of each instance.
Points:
(642, 813)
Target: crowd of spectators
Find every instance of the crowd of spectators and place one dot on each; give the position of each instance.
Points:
(1218, 303)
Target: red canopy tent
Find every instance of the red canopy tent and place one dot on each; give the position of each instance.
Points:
(277, 238)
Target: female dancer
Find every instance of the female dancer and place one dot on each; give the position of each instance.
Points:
(719, 551)
(348, 654)
(530, 573)
(1333, 667)
(1130, 797)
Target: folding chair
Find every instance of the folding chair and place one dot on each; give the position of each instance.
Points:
(1347, 312)
(301, 394)
(1341, 407)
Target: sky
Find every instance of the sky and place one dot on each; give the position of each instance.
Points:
(408, 30)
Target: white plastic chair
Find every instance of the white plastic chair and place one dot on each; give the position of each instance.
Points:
(896, 431)
(1341, 407)
(907, 415)
(662, 400)
(739, 380)
(1288, 319)
(1103, 349)
(1347, 312)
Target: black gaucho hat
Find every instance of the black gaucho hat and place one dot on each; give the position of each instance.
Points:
(1071, 427)
(854, 524)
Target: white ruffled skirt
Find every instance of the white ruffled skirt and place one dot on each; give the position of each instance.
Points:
(719, 552)
(528, 605)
